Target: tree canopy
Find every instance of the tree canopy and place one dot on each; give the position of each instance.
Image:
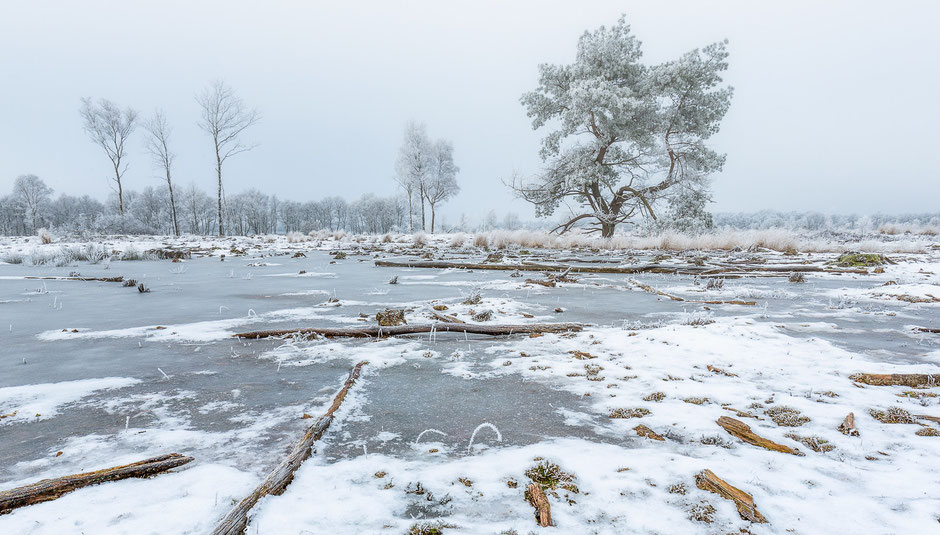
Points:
(622, 135)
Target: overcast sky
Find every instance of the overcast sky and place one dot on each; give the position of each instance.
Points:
(836, 104)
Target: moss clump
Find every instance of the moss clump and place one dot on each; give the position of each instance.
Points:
(550, 476)
(861, 260)
(678, 488)
(786, 416)
(894, 415)
(473, 299)
(702, 512)
(655, 396)
(817, 444)
(628, 413)
(485, 315)
(917, 395)
(429, 528)
(390, 317)
(696, 401)
(927, 432)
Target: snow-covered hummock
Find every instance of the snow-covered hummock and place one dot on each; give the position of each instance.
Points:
(37, 402)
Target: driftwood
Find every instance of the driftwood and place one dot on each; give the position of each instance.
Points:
(543, 509)
(50, 489)
(644, 431)
(927, 330)
(383, 332)
(934, 419)
(912, 380)
(652, 290)
(277, 481)
(446, 318)
(86, 279)
(743, 431)
(647, 268)
(547, 284)
(781, 270)
(847, 427)
(707, 480)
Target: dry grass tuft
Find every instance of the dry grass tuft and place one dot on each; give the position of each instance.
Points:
(786, 416)
(638, 412)
(894, 415)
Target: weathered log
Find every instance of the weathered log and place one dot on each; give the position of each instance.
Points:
(912, 380)
(934, 419)
(707, 480)
(652, 290)
(644, 431)
(743, 431)
(927, 330)
(547, 284)
(50, 489)
(647, 268)
(538, 500)
(85, 279)
(847, 427)
(383, 332)
(783, 270)
(277, 481)
(446, 318)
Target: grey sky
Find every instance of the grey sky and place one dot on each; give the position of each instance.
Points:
(835, 105)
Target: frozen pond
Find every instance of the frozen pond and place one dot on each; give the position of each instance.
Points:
(116, 373)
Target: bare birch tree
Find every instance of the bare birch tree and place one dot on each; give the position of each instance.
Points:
(413, 167)
(158, 145)
(110, 128)
(442, 180)
(225, 117)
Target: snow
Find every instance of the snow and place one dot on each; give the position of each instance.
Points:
(42, 401)
(236, 405)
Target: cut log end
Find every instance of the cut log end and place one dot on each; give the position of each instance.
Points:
(848, 426)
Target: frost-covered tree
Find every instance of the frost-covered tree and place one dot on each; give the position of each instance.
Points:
(623, 134)
(413, 167)
(32, 196)
(225, 117)
(158, 145)
(441, 183)
(110, 127)
(687, 212)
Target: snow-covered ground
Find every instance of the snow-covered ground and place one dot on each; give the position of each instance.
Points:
(98, 374)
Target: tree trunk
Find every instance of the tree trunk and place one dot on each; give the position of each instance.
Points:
(607, 230)
(433, 214)
(377, 331)
(117, 178)
(277, 481)
(218, 170)
(50, 489)
(169, 185)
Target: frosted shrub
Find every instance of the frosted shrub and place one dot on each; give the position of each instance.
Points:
(457, 240)
(297, 237)
(44, 236)
(339, 235)
(419, 239)
(479, 240)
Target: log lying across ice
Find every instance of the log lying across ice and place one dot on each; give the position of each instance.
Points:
(650, 289)
(782, 270)
(707, 480)
(86, 279)
(912, 380)
(50, 489)
(277, 481)
(376, 331)
(743, 431)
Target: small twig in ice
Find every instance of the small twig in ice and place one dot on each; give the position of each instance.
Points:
(165, 376)
(499, 436)
(421, 434)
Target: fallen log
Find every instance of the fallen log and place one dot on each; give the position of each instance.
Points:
(547, 284)
(934, 419)
(85, 279)
(652, 290)
(743, 431)
(647, 268)
(543, 510)
(912, 380)
(927, 330)
(446, 318)
(707, 480)
(376, 331)
(50, 489)
(277, 481)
